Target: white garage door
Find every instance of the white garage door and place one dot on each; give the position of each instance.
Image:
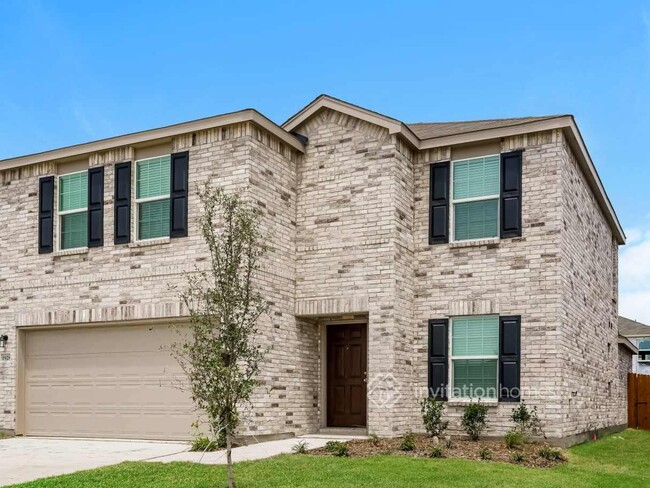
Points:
(113, 382)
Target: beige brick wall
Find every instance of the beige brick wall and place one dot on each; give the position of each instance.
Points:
(349, 227)
(595, 397)
(519, 276)
(353, 206)
(129, 281)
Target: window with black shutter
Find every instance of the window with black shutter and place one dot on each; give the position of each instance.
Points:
(438, 358)
(96, 207)
(179, 194)
(475, 357)
(439, 203)
(511, 167)
(509, 358)
(122, 203)
(46, 215)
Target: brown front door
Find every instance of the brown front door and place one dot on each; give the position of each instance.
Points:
(346, 375)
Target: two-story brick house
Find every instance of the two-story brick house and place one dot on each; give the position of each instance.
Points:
(463, 260)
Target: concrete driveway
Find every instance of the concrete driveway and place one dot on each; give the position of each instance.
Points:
(25, 459)
(29, 458)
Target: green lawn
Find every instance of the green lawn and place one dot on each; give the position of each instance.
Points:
(619, 460)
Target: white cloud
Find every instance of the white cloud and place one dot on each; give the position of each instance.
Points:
(633, 235)
(634, 276)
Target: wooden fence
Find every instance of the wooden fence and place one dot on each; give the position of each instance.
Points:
(638, 401)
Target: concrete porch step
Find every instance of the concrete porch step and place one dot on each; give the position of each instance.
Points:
(347, 432)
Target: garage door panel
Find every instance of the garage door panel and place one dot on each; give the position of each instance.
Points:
(116, 382)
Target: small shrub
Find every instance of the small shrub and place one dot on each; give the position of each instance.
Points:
(448, 443)
(474, 419)
(202, 443)
(300, 448)
(485, 454)
(518, 457)
(514, 439)
(374, 439)
(432, 411)
(526, 420)
(551, 454)
(436, 452)
(339, 449)
(408, 442)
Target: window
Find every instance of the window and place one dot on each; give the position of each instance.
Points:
(73, 210)
(476, 191)
(474, 356)
(644, 351)
(152, 197)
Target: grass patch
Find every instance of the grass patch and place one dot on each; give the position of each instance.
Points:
(620, 460)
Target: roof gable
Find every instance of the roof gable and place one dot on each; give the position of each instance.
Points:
(393, 126)
(432, 135)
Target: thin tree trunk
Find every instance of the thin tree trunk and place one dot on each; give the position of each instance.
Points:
(231, 472)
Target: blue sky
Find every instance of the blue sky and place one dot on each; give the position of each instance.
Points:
(73, 71)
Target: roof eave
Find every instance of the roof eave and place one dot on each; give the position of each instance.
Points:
(623, 341)
(135, 138)
(635, 335)
(568, 125)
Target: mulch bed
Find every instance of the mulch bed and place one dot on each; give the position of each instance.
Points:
(460, 449)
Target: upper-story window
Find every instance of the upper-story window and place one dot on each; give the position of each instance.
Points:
(152, 197)
(73, 210)
(475, 198)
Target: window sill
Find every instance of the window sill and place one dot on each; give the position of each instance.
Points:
(475, 242)
(461, 402)
(70, 252)
(151, 242)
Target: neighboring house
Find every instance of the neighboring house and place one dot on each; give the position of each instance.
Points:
(639, 335)
(464, 259)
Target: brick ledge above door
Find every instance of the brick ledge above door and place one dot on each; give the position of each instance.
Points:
(331, 306)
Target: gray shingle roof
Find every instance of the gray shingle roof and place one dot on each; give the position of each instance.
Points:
(430, 130)
(632, 328)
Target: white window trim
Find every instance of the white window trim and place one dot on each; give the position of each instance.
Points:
(451, 387)
(452, 207)
(63, 213)
(643, 351)
(138, 201)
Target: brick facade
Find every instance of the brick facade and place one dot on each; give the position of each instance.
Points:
(349, 226)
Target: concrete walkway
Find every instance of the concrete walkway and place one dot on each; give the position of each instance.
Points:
(253, 451)
(29, 458)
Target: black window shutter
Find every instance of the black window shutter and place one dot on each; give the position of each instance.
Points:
(509, 358)
(438, 358)
(511, 194)
(46, 215)
(179, 190)
(96, 207)
(122, 203)
(439, 203)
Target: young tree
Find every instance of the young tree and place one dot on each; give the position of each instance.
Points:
(219, 354)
